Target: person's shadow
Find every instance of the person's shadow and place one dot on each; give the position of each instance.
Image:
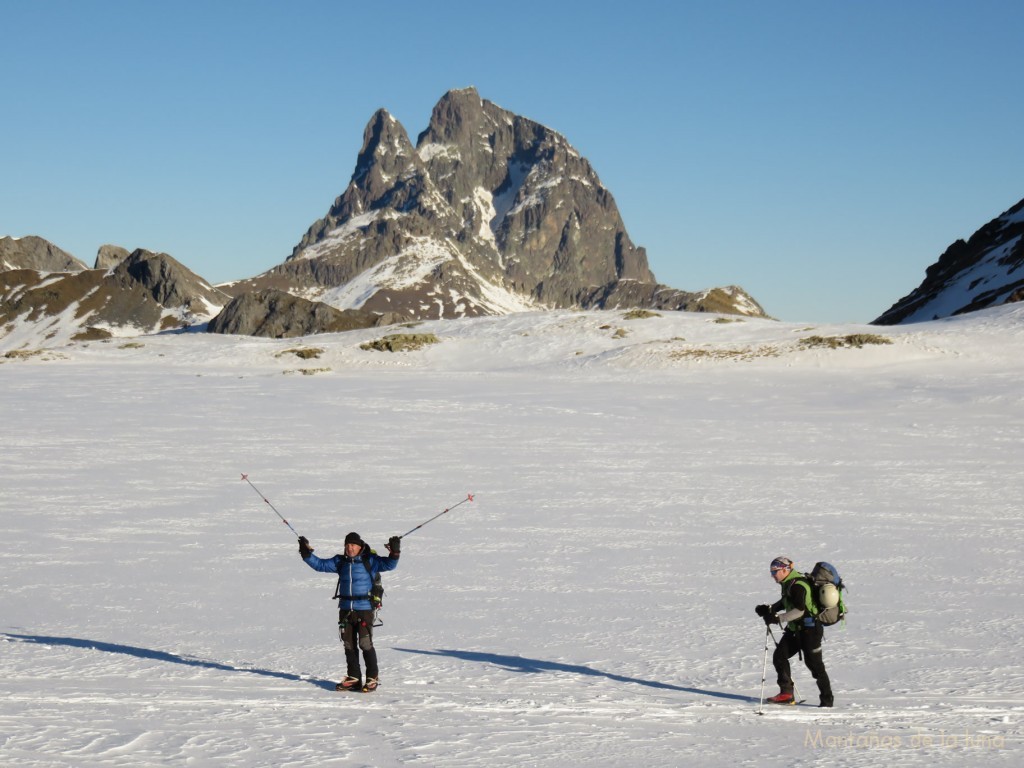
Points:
(148, 653)
(535, 666)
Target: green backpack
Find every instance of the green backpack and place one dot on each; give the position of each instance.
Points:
(827, 590)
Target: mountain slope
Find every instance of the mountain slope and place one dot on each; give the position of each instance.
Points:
(983, 272)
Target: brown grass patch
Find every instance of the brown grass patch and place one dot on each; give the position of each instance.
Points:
(401, 342)
(853, 340)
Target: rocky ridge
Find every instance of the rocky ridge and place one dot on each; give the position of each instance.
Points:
(143, 292)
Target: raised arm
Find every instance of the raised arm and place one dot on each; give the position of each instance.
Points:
(316, 563)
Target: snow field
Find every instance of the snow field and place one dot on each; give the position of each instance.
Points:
(592, 606)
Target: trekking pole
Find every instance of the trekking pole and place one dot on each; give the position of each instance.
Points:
(764, 671)
(469, 497)
(246, 478)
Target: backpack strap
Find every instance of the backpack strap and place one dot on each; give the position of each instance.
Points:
(376, 595)
(808, 605)
(366, 562)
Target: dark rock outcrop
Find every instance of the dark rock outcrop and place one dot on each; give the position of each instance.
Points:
(278, 315)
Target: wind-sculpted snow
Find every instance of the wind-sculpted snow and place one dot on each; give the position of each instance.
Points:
(593, 605)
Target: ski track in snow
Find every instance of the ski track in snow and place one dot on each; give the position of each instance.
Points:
(592, 606)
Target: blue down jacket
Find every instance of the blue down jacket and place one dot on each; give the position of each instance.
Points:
(354, 580)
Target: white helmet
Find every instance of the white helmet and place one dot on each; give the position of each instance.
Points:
(828, 596)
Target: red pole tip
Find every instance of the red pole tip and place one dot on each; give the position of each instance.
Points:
(470, 497)
(245, 477)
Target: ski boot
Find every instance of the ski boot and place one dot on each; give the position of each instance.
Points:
(348, 684)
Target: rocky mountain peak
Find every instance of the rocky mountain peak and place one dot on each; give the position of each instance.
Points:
(490, 213)
(386, 154)
(169, 282)
(388, 175)
(460, 118)
(34, 252)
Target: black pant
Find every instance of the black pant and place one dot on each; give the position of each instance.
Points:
(355, 628)
(806, 640)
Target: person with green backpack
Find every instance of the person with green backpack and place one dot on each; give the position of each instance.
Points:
(798, 612)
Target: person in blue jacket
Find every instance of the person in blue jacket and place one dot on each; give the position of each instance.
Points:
(356, 570)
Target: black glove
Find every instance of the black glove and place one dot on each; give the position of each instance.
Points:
(763, 610)
(395, 545)
(304, 549)
(770, 619)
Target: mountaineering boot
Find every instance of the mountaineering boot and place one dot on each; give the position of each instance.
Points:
(782, 698)
(348, 684)
(826, 701)
(371, 685)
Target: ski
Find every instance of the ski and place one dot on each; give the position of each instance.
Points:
(780, 704)
(784, 703)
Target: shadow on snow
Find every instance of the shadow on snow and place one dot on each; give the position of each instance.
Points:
(147, 653)
(534, 666)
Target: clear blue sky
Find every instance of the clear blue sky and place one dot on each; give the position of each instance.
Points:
(820, 154)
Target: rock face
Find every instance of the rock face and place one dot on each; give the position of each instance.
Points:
(277, 315)
(36, 253)
(489, 213)
(985, 271)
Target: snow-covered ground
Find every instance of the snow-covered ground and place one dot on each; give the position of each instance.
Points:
(593, 605)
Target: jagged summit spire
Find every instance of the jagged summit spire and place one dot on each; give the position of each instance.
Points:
(385, 142)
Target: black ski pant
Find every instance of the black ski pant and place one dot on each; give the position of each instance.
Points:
(806, 641)
(355, 628)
